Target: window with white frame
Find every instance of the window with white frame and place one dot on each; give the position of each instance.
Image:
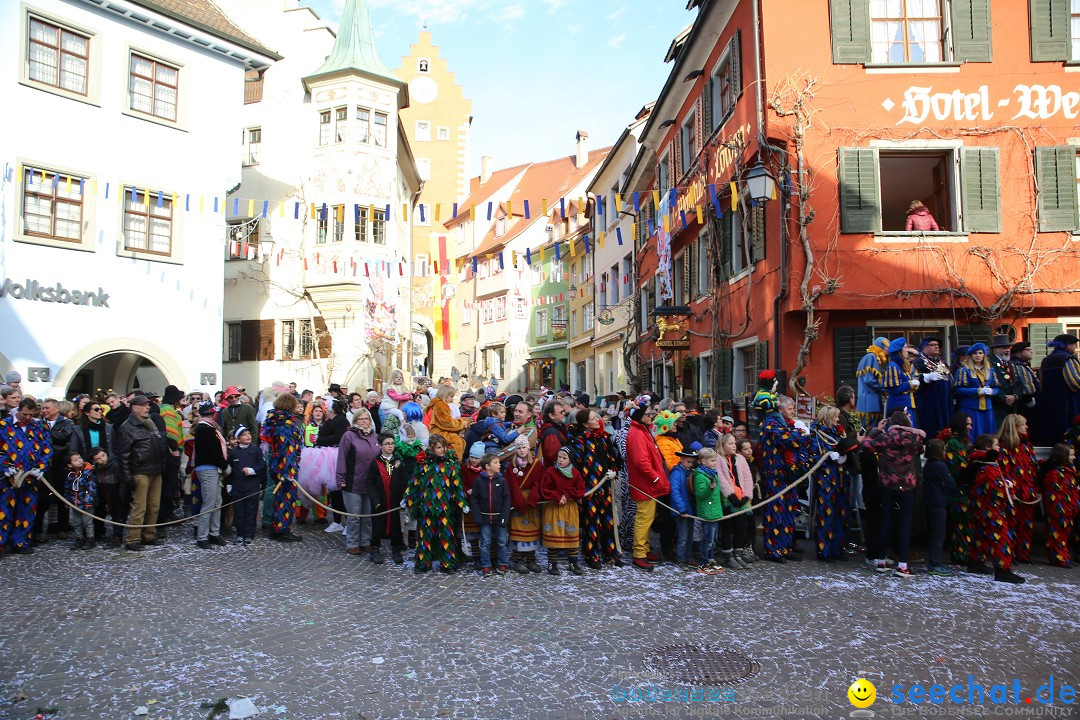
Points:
(704, 374)
(663, 179)
(232, 341)
(378, 129)
(573, 322)
(378, 227)
(704, 283)
(906, 31)
(339, 226)
(466, 314)
(153, 87)
(253, 144)
(745, 370)
(423, 130)
(500, 226)
(58, 56)
(519, 308)
(288, 339)
(423, 167)
(322, 226)
(537, 273)
(678, 269)
(442, 133)
(1074, 29)
(556, 272)
(52, 205)
(482, 270)
(500, 307)
(587, 318)
(489, 311)
(541, 323)
(360, 225)
(148, 221)
(724, 91)
(627, 276)
(363, 125)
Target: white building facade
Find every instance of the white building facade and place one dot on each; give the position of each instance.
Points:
(120, 150)
(316, 284)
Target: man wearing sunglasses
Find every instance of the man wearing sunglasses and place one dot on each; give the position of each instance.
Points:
(236, 413)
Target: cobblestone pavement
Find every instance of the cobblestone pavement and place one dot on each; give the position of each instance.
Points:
(307, 632)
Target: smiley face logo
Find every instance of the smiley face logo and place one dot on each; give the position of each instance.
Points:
(862, 693)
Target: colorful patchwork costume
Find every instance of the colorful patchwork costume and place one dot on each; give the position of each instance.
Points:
(1020, 467)
(283, 432)
(830, 495)
(24, 448)
(435, 497)
(1062, 503)
(595, 455)
(991, 507)
(959, 508)
(782, 447)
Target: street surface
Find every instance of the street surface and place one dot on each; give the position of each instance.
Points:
(307, 632)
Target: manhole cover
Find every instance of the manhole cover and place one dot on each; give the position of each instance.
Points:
(701, 664)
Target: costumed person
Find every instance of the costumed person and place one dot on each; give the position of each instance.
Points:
(395, 395)
(284, 436)
(435, 497)
(81, 491)
(247, 478)
(386, 487)
(523, 472)
(407, 446)
(562, 487)
(598, 462)
(1004, 401)
(490, 506)
(737, 489)
(443, 422)
(1059, 401)
(957, 439)
(552, 432)
(323, 480)
(871, 369)
(312, 461)
(919, 219)
(667, 438)
(899, 381)
(897, 445)
(830, 493)
(26, 454)
(647, 480)
(991, 507)
(1016, 458)
(938, 486)
(975, 387)
(1025, 385)
(414, 418)
(470, 470)
(1057, 477)
(934, 396)
(782, 448)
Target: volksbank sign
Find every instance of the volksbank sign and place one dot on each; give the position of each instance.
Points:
(34, 290)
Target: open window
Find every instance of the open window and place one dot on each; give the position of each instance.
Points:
(926, 176)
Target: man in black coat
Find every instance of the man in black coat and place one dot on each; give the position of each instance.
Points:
(62, 435)
(140, 455)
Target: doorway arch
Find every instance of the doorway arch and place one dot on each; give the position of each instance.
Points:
(118, 364)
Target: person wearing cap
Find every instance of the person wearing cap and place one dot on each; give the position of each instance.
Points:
(140, 456)
(581, 402)
(13, 379)
(682, 499)
(210, 460)
(1059, 401)
(247, 479)
(899, 380)
(236, 413)
(975, 387)
(871, 369)
(1005, 401)
(174, 437)
(470, 471)
(934, 396)
(1025, 384)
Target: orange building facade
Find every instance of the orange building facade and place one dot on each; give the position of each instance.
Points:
(967, 106)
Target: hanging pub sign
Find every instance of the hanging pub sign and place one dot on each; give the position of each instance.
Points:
(672, 333)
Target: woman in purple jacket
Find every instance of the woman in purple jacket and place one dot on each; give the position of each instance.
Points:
(358, 447)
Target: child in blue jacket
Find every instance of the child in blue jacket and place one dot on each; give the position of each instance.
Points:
(81, 490)
(938, 487)
(682, 499)
(247, 478)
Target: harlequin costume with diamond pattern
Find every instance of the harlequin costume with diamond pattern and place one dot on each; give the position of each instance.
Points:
(991, 512)
(782, 446)
(594, 454)
(1021, 466)
(434, 497)
(1062, 503)
(959, 527)
(283, 432)
(830, 495)
(23, 448)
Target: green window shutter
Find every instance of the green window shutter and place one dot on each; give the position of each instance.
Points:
(1049, 20)
(858, 175)
(850, 25)
(1038, 335)
(723, 380)
(762, 360)
(971, 31)
(757, 230)
(707, 109)
(980, 186)
(725, 245)
(735, 53)
(970, 334)
(849, 347)
(1055, 170)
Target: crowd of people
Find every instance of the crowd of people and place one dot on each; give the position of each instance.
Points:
(514, 483)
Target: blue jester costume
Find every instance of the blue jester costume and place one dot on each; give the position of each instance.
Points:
(24, 448)
(283, 432)
(783, 452)
(830, 494)
(434, 497)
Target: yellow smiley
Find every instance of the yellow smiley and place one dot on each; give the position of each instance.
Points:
(862, 693)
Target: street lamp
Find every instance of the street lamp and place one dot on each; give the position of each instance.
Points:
(760, 185)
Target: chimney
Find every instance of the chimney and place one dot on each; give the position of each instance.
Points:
(582, 149)
(485, 168)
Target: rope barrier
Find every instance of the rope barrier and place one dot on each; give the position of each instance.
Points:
(179, 521)
(316, 501)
